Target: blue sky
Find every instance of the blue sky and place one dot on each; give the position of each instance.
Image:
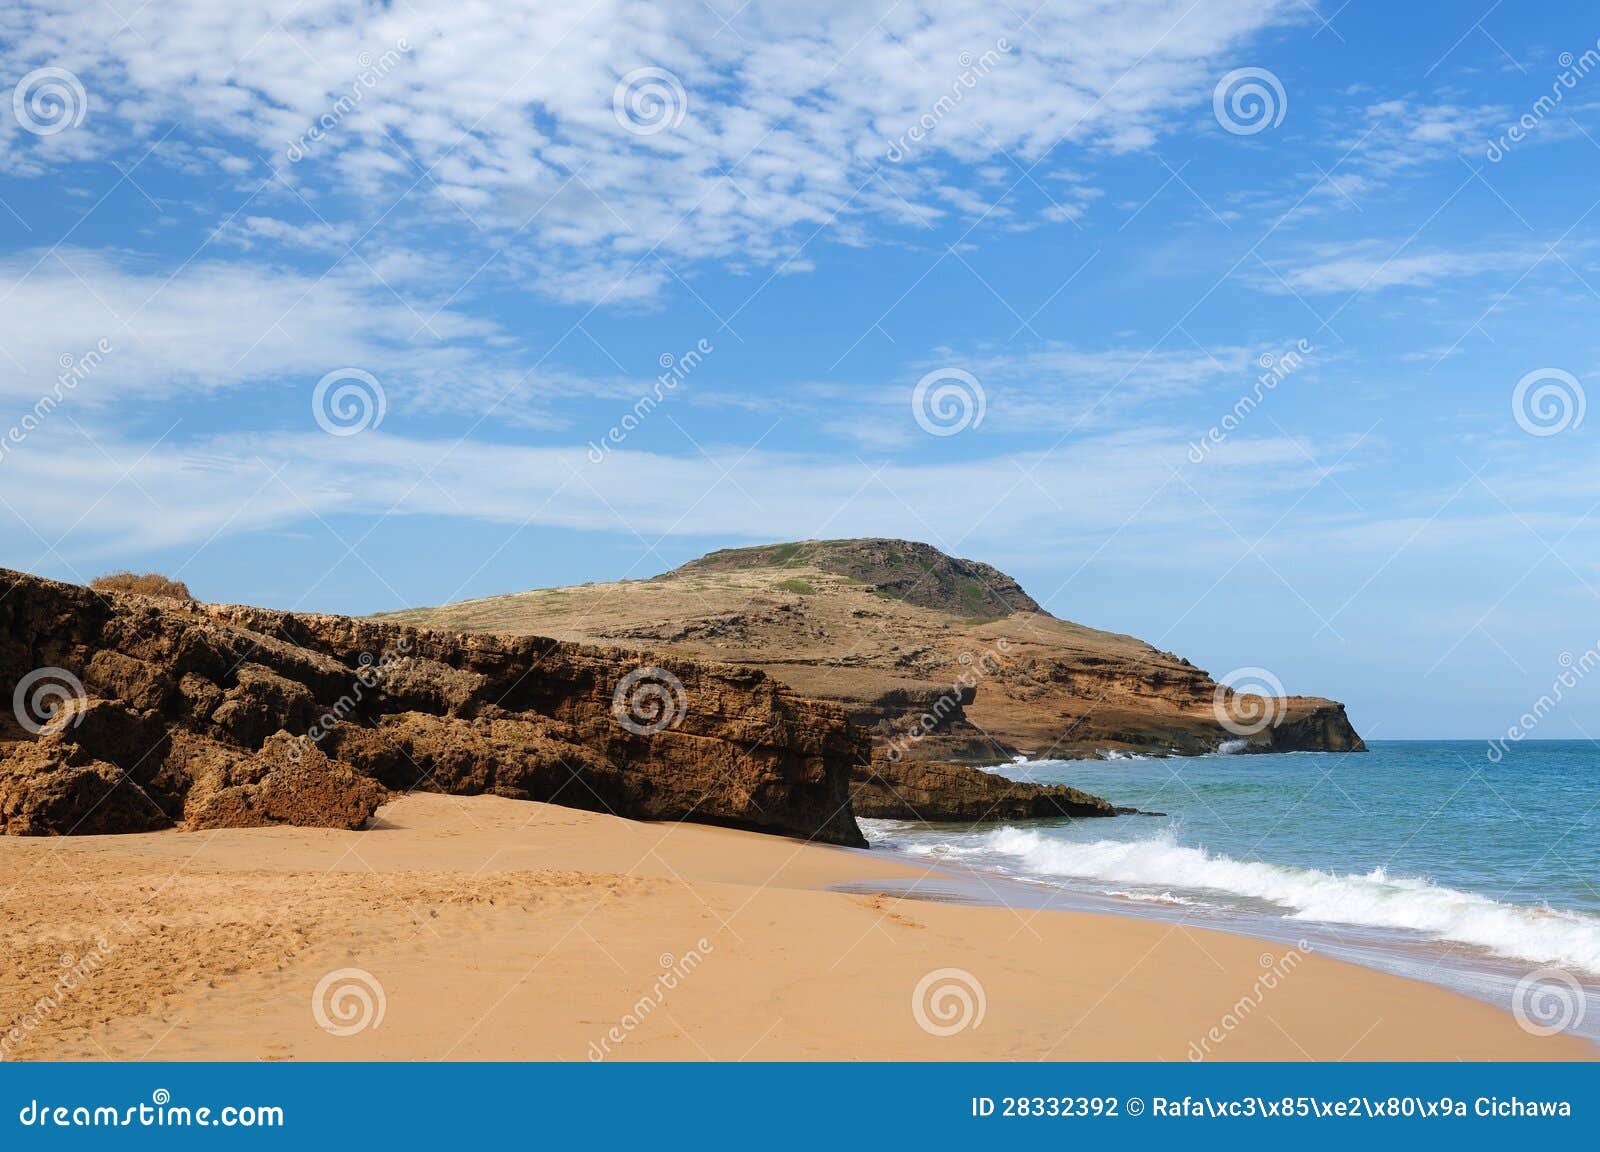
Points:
(505, 219)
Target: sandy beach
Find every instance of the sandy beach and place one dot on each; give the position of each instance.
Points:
(484, 928)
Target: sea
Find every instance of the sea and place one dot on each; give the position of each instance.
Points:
(1448, 862)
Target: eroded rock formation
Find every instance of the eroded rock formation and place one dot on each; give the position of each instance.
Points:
(134, 713)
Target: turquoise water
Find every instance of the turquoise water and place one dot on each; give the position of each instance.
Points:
(1425, 856)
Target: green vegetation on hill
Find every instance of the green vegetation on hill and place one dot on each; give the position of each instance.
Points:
(905, 570)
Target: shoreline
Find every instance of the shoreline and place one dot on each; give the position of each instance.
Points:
(486, 928)
(1400, 954)
(1366, 865)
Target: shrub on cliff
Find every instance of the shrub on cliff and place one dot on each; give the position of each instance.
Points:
(148, 584)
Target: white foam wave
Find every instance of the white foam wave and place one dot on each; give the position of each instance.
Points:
(1376, 899)
(1158, 898)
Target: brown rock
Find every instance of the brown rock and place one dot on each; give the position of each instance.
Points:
(299, 786)
(50, 787)
(224, 716)
(919, 790)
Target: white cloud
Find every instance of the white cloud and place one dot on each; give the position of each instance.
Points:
(1398, 135)
(1375, 148)
(179, 493)
(318, 236)
(1370, 266)
(1048, 388)
(216, 327)
(504, 112)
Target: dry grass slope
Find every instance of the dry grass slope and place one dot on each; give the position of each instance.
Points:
(144, 584)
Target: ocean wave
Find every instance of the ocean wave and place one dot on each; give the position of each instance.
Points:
(1158, 898)
(1375, 899)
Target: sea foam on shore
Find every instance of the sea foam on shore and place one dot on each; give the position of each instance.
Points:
(1374, 899)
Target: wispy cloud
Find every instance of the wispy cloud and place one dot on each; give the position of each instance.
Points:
(1042, 388)
(1371, 266)
(219, 327)
(119, 496)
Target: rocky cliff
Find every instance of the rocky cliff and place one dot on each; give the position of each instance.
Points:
(136, 713)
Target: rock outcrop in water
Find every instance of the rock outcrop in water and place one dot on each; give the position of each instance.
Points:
(135, 713)
(920, 790)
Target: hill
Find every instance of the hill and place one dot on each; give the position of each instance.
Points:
(942, 659)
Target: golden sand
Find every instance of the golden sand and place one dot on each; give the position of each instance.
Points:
(485, 928)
